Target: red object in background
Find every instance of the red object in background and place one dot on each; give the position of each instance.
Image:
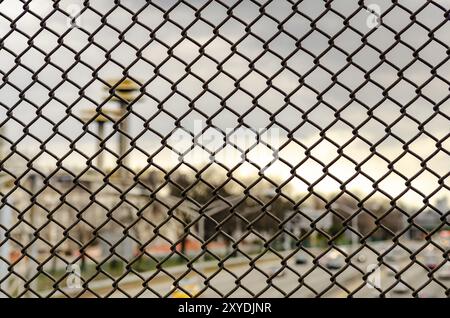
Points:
(191, 246)
(14, 256)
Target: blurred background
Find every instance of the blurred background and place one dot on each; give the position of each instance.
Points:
(139, 135)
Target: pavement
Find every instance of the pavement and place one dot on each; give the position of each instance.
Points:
(239, 279)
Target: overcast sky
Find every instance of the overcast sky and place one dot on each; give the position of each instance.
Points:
(270, 54)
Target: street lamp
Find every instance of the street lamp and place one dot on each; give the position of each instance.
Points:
(123, 93)
(101, 119)
(212, 209)
(349, 210)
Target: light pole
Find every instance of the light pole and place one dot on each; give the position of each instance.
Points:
(124, 93)
(287, 238)
(214, 208)
(101, 119)
(354, 222)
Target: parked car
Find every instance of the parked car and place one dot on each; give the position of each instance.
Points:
(300, 258)
(431, 261)
(333, 260)
(400, 288)
(274, 271)
(425, 295)
(395, 254)
(444, 272)
(360, 258)
(392, 272)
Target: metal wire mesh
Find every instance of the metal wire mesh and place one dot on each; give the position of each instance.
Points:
(224, 148)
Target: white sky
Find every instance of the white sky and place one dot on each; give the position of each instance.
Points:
(19, 80)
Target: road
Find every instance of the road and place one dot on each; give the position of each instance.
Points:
(245, 281)
(413, 277)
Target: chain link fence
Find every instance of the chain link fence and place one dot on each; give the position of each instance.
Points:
(238, 148)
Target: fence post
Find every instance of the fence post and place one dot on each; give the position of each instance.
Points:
(5, 222)
(31, 268)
